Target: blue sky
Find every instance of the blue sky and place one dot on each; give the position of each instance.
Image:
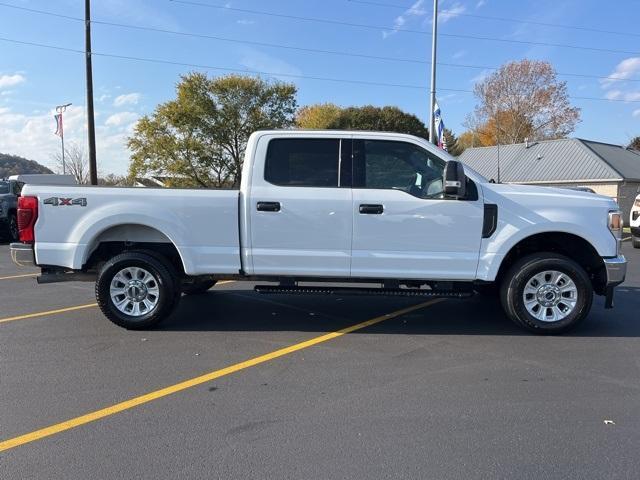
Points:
(34, 79)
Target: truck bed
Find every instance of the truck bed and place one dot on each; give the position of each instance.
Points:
(73, 220)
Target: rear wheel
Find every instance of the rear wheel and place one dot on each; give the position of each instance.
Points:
(198, 287)
(546, 293)
(137, 290)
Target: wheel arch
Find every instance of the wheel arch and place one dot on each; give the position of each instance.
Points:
(570, 245)
(117, 238)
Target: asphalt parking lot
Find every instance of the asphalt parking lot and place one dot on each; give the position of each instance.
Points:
(242, 385)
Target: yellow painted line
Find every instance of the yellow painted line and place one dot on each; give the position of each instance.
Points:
(63, 310)
(20, 276)
(624, 240)
(48, 312)
(137, 401)
(222, 282)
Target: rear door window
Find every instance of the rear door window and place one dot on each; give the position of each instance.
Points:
(303, 162)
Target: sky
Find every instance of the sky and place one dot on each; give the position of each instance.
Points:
(34, 79)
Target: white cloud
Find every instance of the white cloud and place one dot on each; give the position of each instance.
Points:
(245, 22)
(459, 54)
(618, 86)
(121, 118)
(258, 61)
(621, 95)
(414, 10)
(481, 76)
(31, 136)
(636, 113)
(624, 70)
(127, 99)
(481, 4)
(449, 13)
(11, 80)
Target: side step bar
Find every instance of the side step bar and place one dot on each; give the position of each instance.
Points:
(393, 292)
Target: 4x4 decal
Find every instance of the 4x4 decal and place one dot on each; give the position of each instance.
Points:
(60, 201)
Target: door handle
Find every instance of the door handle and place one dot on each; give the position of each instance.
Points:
(371, 209)
(268, 206)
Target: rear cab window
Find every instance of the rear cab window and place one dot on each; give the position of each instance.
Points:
(303, 162)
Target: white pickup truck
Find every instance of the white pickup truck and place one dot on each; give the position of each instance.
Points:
(320, 208)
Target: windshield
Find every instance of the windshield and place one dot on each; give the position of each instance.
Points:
(4, 188)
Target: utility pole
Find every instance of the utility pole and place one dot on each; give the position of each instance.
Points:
(60, 109)
(432, 101)
(93, 174)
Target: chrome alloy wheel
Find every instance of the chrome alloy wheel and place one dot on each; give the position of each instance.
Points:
(550, 296)
(134, 291)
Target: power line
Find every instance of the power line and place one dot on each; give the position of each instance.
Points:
(331, 52)
(43, 12)
(272, 74)
(301, 49)
(403, 30)
(504, 19)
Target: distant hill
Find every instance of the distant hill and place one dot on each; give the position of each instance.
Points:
(14, 165)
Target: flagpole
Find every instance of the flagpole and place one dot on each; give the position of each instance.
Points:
(61, 109)
(433, 71)
(64, 170)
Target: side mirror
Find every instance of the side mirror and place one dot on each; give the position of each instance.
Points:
(455, 181)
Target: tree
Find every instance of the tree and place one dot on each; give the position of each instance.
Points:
(523, 100)
(635, 144)
(15, 165)
(199, 138)
(454, 147)
(76, 163)
(114, 180)
(368, 117)
(468, 139)
(321, 116)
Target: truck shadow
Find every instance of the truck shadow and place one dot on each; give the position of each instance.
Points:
(245, 310)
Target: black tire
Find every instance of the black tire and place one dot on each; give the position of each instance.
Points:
(198, 287)
(164, 281)
(512, 291)
(635, 241)
(12, 227)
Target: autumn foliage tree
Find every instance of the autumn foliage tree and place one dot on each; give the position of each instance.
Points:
(368, 117)
(198, 139)
(522, 100)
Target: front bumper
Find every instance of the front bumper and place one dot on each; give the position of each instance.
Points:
(22, 254)
(616, 270)
(635, 231)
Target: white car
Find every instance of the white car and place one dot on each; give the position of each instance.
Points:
(385, 209)
(634, 223)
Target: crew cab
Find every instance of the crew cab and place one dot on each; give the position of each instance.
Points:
(332, 209)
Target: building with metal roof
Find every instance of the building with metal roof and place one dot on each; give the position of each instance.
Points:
(607, 169)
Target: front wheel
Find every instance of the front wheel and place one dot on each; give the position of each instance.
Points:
(546, 293)
(136, 290)
(635, 241)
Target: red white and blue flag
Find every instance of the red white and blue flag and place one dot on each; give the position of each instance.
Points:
(58, 119)
(439, 124)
